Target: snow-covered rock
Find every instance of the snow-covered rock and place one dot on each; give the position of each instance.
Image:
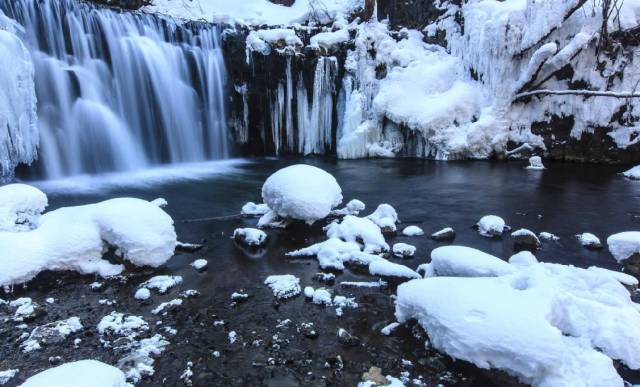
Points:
(589, 240)
(384, 268)
(167, 305)
(329, 40)
(461, 261)
(353, 229)
(547, 236)
(142, 294)
(535, 163)
(525, 239)
(283, 286)
(491, 226)
(624, 245)
(250, 236)
(79, 373)
(253, 209)
(162, 283)
(51, 333)
(412, 231)
(21, 206)
(386, 217)
(119, 324)
(403, 250)
(74, 238)
(354, 207)
(446, 234)
(264, 40)
(200, 264)
(301, 192)
(633, 173)
(7, 375)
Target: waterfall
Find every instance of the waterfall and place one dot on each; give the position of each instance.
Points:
(122, 91)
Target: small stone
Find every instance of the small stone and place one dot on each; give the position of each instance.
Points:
(347, 339)
(375, 376)
(309, 330)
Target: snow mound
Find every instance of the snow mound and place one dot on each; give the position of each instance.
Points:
(633, 173)
(74, 238)
(301, 192)
(283, 286)
(535, 163)
(200, 264)
(461, 261)
(142, 294)
(79, 373)
(523, 259)
(589, 240)
(329, 40)
(546, 324)
(353, 229)
(547, 236)
(624, 245)
(403, 250)
(21, 206)
(250, 236)
(385, 217)
(162, 283)
(117, 324)
(253, 209)
(384, 268)
(412, 231)
(7, 375)
(491, 226)
(354, 207)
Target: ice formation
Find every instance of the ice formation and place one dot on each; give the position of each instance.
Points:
(546, 324)
(74, 238)
(301, 192)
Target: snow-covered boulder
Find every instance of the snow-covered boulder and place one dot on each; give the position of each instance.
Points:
(354, 207)
(386, 217)
(625, 248)
(21, 206)
(354, 229)
(301, 192)
(547, 236)
(546, 324)
(403, 250)
(589, 241)
(382, 267)
(446, 234)
(74, 238)
(79, 373)
(633, 173)
(412, 231)
(535, 163)
(491, 226)
(524, 239)
(461, 261)
(250, 236)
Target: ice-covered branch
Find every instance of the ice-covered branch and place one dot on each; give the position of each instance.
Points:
(585, 93)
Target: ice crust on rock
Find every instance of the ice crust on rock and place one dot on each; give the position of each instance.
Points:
(546, 324)
(301, 192)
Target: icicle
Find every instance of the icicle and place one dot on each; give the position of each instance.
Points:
(242, 129)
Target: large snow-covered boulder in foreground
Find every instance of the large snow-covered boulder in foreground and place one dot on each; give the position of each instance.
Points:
(79, 373)
(301, 192)
(20, 207)
(625, 248)
(74, 238)
(546, 324)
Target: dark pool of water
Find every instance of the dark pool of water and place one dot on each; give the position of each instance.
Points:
(565, 199)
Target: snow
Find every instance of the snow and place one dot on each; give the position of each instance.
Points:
(79, 373)
(389, 328)
(442, 232)
(199, 264)
(262, 40)
(283, 286)
(117, 324)
(385, 216)
(164, 305)
(253, 209)
(547, 236)
(462, 261)
(354, 207)
(412, 231)
(546, 324)
(589, 240)
(51, 333)
(624, 245)
(321, 297)
(491, 226)
(256, 12)
(535, 163)
(329, 40)
(25, 307)
(142, 294)
(21, 206)
(302, 192)
(633, 173)
(353, 229)
(19, 139)
(250, 236)
(384, 268)
(357, 284)
(523, 259)
(523, 232)
(7, 375)
(403, 250)
(74, 238)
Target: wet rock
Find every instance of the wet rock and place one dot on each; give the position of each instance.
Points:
(375, 375)
(347, 339)
(446, 234)
(632, 265)
(309, 330)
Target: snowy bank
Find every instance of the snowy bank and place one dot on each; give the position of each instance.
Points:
(79, 373)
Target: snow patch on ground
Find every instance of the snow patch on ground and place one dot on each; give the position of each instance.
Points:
(283, 286)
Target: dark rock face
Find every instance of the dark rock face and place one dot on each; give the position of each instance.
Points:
(124, 4)
(408, 13)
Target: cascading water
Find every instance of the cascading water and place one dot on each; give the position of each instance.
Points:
(122, 91)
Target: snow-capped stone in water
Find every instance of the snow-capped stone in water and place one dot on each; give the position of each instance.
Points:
(200, 264)
(188, 247)
(384, 268)
(74, 238)
(589, 240)
(253, 209)
(403, 250)
(491, 226)
(250, 236)
(633, 173)
(162, 283)
(21, 206)
(412, 231)
(461, 261)
(302, 192)
(625, 248)
(523, 259)
(80, 373)
(535, 163)
(308, 291)
(354, 207)
(169, 305)
(321, 297)
(385, 217)
(142, 294)
(547, 236)
(524, 239)
(7, 375)
(239, 297)
(546, 324)
(352, 229)
(284, 286)
(446, 234)
(160, 202)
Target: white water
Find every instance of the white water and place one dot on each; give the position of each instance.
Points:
(121, 91)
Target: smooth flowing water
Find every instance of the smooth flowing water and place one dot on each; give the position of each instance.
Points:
(565, 199)
(122, 91)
